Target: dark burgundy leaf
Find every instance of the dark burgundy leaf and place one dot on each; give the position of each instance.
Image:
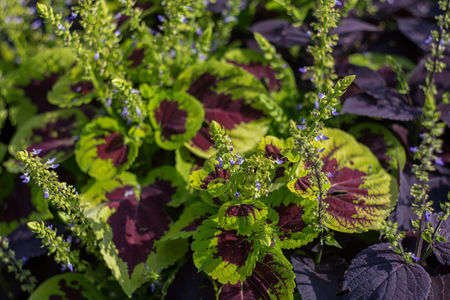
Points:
(171, 118)
(218, 6)
(393, 106)
(444, 110)
(24, 243)
(442, 250)
(137, 225)
(417, 30)
(262, 73)
(203, 139)
(281, 33)
(379, 273)
(321, 282)
(377, 145)
(440, 289)
(37, 91)
(369, 81)
(183, 287)
(350, 25)
(55, 136)
(233, 247)
(194, 224)
(113, 148)
(70, 293)
(17, 204)
(290, 219)
(82, 87)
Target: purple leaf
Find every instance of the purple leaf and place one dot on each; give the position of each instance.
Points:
(290, 219)
(379, 273)
(321, 282)
(440, 289)
(232, 247)
(350, 25)
(17, 204)
(281, 33)
(136, 57)
(417, 30)
(261, 72)
(393, 106)
(442, 250)
(25, 243)
(37, 91)
(370, 82)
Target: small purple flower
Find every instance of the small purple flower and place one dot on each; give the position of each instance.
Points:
(117, 16)
(96, 56)
(69, 265)
(303, 69)
(413, 256)
(329, 175)
(117, 33)
(128, 193)
(258, 185)
(301, 127)
(302, 121)
(316, 104)
(413, 149)
(108, 102)
(46, 194)
(72, 16)
(199, 31)
(36, 151)
(321, 96)
(439, 161)
(237, 195)
(337, 3)
(69, 239)
(183, 19)
(25, 177)
(54, 166)
(232, 162)
(61, 27)
(427, 216)
(279, 161)
(220, 162)
(36, 24)
(135, 91)
(239, 159)
(298, 107)
(138, 111)
(428, 40)
(50, 161)
(308, 33)
(125, 112)
(334, 112)
(321, 150)
(161, 18)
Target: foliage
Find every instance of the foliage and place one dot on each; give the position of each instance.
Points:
(278, 149)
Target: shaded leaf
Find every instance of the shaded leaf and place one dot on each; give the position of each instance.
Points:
(242, 216)
(281, 33)
(104, 149)
(319, 282)
(379, 273)
(361, 194)
(440, 289)
(417, 30)
(55, 132)
(67, 286)
(24, 243)
(442, 250)
(393, 106)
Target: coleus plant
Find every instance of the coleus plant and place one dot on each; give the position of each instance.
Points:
(184, 144)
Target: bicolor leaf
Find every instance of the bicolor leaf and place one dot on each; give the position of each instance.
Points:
(56, 133)
(242, 216)
(211, 178)
(176, 117)
(361, 194)
(272, 278)
(230, 96)
(104, 149)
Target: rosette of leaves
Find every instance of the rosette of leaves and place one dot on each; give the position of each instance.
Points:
(230, 96)
(72, 89)
(176, 118)
(129, 219)
(104, 149)
(255, 63)
(66, 286)
(55, 133)
(272, 278)
(382, 142)
(20, 202)
(361, 194)
(225, 255)
(296, 219)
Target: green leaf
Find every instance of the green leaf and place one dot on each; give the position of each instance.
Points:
(67, 286)
(361, 194)
(242, 216)
(211, 178)
(176, 118)
(104, 149)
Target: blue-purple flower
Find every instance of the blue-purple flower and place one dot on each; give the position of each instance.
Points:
(25, 178)
(36, 151)
(439, 161)
(258, 185)
(220, 162)
(413, 256)
(237, 195)
(46, 194)
(303, 69)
